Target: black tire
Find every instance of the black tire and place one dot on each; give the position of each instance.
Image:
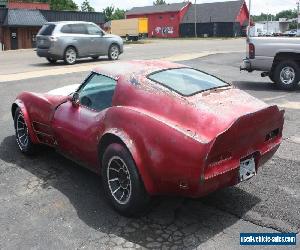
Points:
(95, 57)
(70, 55)
(289, 80)
(131, 198)
(25, 145)
(271, 76)
(113, 52)
(50, 60)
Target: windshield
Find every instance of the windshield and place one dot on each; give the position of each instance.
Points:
(186, 81)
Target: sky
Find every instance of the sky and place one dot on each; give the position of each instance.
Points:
(258, 6)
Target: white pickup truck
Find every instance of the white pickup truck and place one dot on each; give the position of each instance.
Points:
(276, 57)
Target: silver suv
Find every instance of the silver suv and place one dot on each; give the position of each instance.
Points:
(71, 40)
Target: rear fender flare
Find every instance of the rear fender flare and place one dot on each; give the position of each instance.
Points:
(23, 108)
(137, 157)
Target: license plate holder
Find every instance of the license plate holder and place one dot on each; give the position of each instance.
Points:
(247, 169)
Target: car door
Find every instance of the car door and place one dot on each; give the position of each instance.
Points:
(98, 46)
(77, 127)
(81, 39)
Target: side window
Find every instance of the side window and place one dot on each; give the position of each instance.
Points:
(78, 29)
(66, 29)
(93, 29)
(97, 93)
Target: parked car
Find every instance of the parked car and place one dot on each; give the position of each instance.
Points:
(152, 128)
(276, 57)
(71, 40)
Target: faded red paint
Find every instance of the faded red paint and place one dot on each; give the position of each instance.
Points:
(28, 5)
(163, 24)
(243, 16)
(181, 145)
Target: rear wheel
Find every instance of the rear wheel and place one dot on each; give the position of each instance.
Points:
(50, 60)
(122, 184)
(22, 134)
(287, 75)
(113, 52)
(70, 55)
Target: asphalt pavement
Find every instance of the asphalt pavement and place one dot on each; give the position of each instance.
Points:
(49, 202)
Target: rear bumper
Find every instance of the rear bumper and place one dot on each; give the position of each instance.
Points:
(227, 174)
(47, 53)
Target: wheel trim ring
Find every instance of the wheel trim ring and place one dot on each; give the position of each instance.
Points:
(22, 137)
(110, 180)
(70, 56)
(287, 75)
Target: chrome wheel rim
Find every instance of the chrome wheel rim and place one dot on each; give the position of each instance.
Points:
(114, 52)
(71, 56)
(287, 75)
(22, 132)
(119, 181)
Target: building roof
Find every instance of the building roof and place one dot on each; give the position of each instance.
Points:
(33, 18)
(214, 12)
(172, 7)
(55, 16)
(23, 17)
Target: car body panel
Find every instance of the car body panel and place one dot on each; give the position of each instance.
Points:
(181, 145)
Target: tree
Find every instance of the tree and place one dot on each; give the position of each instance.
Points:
(118, 14)
(159, 2)
(289, 14)
(86, 6)
(108, 13)
(63, 5)
(263, 17)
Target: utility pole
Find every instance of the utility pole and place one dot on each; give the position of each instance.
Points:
(196, 35)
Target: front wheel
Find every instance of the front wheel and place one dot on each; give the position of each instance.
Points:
(113, 52)
(22, 134)
(287, 75)
(122, 184)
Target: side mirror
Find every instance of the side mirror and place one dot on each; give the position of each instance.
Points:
(75, 99)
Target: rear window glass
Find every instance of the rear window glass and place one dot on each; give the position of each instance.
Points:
(186, 81)
(47, 30)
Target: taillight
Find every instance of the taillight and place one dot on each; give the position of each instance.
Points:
(251, 51)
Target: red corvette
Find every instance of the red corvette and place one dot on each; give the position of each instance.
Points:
(151, 128)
